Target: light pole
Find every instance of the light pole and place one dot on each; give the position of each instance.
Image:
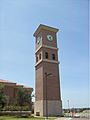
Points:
(46, 76)
(68, 107)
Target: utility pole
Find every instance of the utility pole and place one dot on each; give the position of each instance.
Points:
(68, 108)
(46, 76)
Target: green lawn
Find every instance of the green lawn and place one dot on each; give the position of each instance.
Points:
(16, 118)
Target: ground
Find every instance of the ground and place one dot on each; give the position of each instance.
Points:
(61, 118)
(16, 118)
(72, 118)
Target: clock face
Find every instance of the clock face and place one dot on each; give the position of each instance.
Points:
(39, 39)
(50, 37)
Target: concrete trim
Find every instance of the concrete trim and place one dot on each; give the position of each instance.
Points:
(50, 47)
(46, 60)
(51, 61)
(45, 46)
(41, 26)
(54, 107)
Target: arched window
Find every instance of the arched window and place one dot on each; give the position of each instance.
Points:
(53, 56)
(46, 55)
(36, 58)
(40, 56)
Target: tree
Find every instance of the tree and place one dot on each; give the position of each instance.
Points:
(23, 97)
(3, 97)
(20, 97)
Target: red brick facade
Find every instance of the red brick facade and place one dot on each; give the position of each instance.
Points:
(11, 89)
(47, 62)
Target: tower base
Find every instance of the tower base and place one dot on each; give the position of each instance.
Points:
(54, 108)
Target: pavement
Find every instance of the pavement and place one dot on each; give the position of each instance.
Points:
(63, 118)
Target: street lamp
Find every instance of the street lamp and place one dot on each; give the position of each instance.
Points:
(46, 76)
(68, 107)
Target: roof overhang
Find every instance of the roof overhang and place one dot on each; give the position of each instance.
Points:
(41, 26)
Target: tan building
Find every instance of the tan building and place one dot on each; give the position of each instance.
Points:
(11, 89)
(48, 97)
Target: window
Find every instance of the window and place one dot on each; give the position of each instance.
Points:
(46, 55)
(53, 56)
(36, 58)
(40, 56)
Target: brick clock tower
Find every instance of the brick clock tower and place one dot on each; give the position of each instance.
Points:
(47, 84)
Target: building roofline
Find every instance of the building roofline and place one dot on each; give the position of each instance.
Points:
(41, 26)
(6, 81)
(12, 83)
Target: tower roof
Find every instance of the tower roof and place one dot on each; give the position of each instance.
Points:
(41, 26)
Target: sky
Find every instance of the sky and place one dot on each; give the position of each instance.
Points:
(19, 20)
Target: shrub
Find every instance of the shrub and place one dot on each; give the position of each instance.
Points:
(25, 108)
(16, 113)
(16, 108)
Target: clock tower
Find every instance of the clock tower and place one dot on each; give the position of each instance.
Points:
(47, 83)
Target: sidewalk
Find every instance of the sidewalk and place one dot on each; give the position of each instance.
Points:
(63, 118)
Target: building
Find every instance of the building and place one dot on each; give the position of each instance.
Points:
(11, 89)
(47, 85)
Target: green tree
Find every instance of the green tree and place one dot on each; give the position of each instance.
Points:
(20, 97)
(3, 97)
(23, 97)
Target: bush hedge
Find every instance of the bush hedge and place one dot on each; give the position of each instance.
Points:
(16, 113)
(15, 108)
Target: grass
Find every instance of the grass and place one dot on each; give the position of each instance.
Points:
(18, 118)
